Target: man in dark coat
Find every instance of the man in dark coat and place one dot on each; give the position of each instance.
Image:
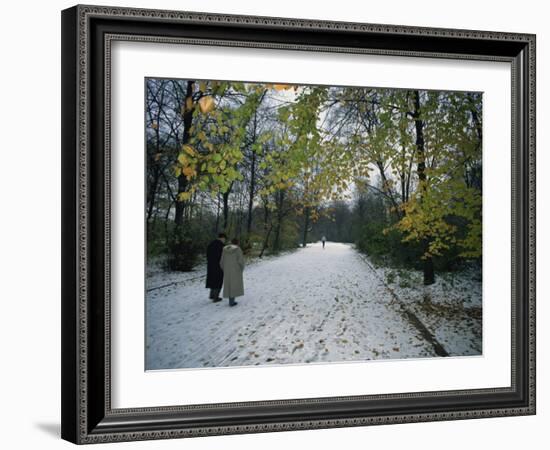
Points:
(214, 273)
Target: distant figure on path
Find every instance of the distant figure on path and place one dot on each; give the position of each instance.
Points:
(232, 264)
(214, 273)
(323, 239)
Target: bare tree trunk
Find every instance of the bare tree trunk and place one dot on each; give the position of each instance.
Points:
(152, 192)
(225, 197)
(267, 228)
(408, 184)
(157, 171)
(187, 122)
(240, 219)
(266, 240)
(251, 193)
(166, 220)
(252, 187)
(306, 226)
(218, 214)
(280, 203)
(386, 188)
(429, 276)
(473, 176)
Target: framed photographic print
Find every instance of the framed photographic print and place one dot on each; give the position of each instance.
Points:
(281, 224)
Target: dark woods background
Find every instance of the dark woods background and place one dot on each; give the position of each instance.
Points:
(396, 172)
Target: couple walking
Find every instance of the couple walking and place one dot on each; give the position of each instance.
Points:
(225, 264)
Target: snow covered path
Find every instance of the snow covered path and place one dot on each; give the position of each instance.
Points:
(312, 305)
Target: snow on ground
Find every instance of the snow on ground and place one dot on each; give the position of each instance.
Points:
(312, 305)
(451, 308)
(157, 277)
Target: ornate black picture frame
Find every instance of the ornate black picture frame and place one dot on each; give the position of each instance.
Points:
(87, 34)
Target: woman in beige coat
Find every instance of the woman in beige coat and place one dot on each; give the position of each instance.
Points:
(232, 264)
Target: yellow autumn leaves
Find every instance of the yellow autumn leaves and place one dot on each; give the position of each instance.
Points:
(206, 104)
(187, 155)
(187, 149)
(426, 219)
(187, 163)
(281, 87)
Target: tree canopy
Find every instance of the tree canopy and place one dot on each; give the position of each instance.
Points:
(272, 163)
